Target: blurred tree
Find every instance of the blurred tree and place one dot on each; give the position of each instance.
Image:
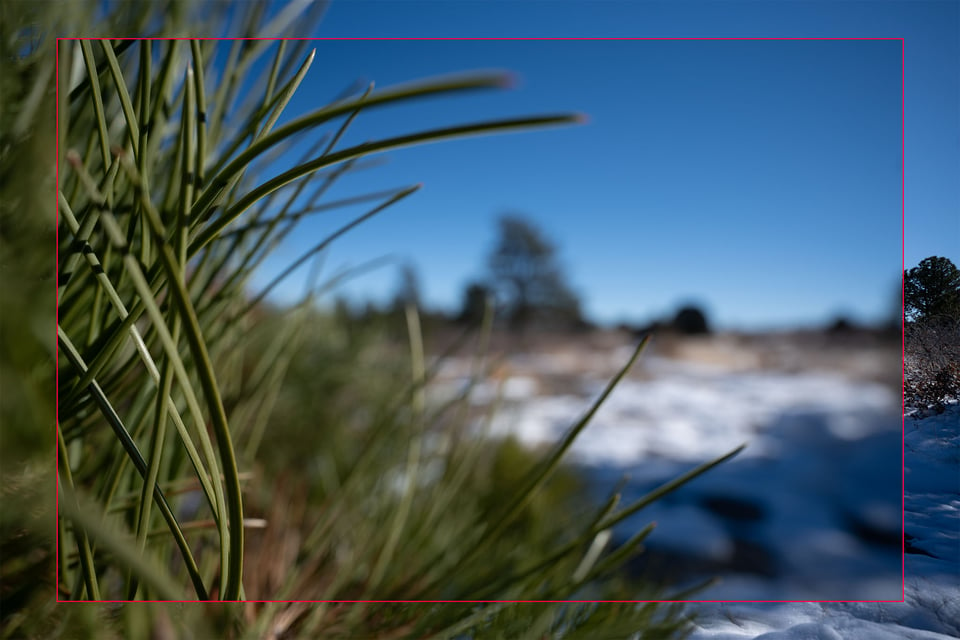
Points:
(408, 288)
(691, 320)
(931, 290)
(526, 275)
(841, 324)
(474, 303)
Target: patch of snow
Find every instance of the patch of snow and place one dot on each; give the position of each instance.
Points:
(930, 609)
(818, 490)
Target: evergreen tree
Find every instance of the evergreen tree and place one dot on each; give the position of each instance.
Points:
(474, 303)
(931, 291)
(527, 277)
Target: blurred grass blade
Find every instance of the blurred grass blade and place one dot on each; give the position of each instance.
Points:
(87, 518)
(540, 475)
(411, 472)
(65, 477)
(668, 487)
(328, 241)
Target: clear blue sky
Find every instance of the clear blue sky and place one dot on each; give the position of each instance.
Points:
(759, 179)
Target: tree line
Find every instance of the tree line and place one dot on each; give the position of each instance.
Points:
(526, 285)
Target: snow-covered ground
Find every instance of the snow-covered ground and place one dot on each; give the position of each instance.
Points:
(931, 601)
(810, 511)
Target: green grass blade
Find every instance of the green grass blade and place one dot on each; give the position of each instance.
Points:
(83, 233)
(283, 98)
(133, 129)
(234, 535)
(328, 241)
(145, 356)
(668, 487)
(145, 118)
(298, 214)
(620, 555)
(201, 99)
(436, 135)
(396, 94)
(101, 119)
(540, 475)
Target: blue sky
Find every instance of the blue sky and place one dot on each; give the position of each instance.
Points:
(758, 179)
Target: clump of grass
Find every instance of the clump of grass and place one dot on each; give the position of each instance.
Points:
(174, 379)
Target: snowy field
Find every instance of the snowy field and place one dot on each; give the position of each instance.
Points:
(810, 511)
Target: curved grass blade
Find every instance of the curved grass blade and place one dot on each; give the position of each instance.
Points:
(435, 135)
(147, 360)
(297, 215)
(283, 98)
(399, 93)
(668, 487)
(232, 573)
(281, 101)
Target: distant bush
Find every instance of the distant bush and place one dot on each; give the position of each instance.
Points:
(691, 320)
(473, 304)
(841, 325)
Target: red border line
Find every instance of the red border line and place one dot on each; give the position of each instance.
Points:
(903, 339)
(56, 273)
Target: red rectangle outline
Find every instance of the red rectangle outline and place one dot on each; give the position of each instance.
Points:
(902, 336)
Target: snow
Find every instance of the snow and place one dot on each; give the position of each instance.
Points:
(809, 513)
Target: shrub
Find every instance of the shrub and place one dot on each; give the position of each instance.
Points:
(691, 320)
(931, 364)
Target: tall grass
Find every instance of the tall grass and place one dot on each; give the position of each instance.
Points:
(185, 403)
